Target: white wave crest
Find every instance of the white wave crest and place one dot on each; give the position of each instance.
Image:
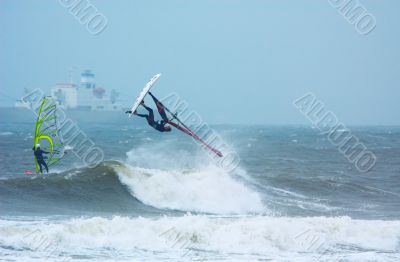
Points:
(246, 238)
(210, 190)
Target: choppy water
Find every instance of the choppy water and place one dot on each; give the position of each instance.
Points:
(158, 197)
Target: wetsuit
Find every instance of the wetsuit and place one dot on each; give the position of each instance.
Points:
(39, 158)
(160, 108)
(158, 125)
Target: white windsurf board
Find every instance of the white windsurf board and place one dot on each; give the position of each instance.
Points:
(143, 93)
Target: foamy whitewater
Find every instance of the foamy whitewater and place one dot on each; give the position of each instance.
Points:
(159, 197)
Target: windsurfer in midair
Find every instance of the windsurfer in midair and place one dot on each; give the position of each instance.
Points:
(157, 125)
(39, 157)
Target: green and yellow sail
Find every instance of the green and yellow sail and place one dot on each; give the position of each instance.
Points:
(47, 132)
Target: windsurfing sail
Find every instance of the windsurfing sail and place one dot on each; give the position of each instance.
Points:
(182, 127)
(47, 132)
(144, 92)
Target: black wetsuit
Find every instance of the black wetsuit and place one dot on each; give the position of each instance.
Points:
(158, 125)
(39, 158)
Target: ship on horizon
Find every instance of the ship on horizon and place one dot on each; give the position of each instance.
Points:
(85, 96)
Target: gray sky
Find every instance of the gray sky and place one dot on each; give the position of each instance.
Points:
(232, 61)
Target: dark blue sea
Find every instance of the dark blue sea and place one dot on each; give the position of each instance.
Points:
(161, 197)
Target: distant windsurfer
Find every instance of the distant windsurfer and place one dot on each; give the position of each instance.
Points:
(157, 125)
(38, 152)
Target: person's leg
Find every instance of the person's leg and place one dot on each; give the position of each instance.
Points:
(40, 166)
(45, 165)
(147, 108)
(141, 115)
(160, 108)
(136, 114)
(161, 111)
(150, 117)
(154, 98)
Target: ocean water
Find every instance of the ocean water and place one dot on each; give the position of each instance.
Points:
(160, 197)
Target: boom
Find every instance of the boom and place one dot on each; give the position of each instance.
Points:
(182, 127)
